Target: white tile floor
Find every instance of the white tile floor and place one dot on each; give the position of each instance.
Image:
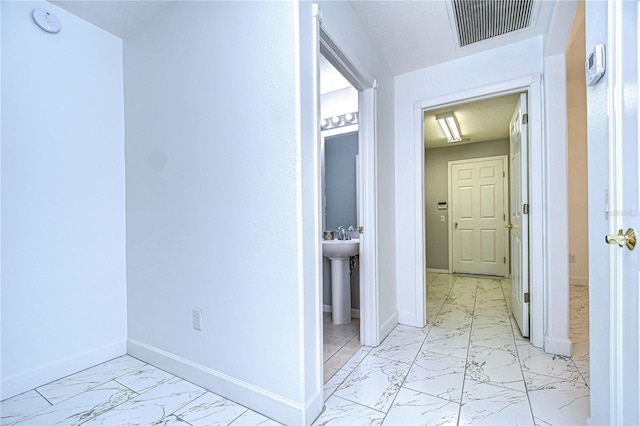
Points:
(341, 342)
(470, 365)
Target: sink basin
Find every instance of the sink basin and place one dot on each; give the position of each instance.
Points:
(337, 249)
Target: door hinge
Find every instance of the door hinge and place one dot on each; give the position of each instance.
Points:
(525, 118)
(504, 260)
(525, 208)
(526, 298)
(504, 174)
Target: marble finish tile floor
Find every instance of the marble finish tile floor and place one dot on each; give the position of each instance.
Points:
(340, 343)
(124, 391)
(469, 365)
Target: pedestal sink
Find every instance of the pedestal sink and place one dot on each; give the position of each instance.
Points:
(338, 252)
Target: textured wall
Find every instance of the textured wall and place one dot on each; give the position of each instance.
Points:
(63, 198)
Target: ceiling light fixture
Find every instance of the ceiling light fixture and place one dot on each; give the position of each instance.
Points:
(449, 125)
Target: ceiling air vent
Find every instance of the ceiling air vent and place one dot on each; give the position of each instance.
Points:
(477, 20)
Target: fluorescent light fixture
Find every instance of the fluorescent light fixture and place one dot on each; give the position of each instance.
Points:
(449, 125)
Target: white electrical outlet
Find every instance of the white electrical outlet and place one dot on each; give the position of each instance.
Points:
(197, 318)
(441, 218)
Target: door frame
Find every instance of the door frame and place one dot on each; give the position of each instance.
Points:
(505, 203)
(532, 85)
(367, 197)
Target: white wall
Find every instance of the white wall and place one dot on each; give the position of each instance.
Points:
(339, 102)
(63, 198)
(346, 30)
(514, 61)
(216, 180)
(577, 151)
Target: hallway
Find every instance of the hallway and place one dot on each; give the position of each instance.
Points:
(470, 365)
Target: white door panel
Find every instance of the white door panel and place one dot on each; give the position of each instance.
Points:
(478, 200)
(518, 146)
(622, 315)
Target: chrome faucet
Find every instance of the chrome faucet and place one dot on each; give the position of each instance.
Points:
(342, 234)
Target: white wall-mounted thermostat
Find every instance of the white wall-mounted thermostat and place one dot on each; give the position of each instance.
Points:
(595, 65)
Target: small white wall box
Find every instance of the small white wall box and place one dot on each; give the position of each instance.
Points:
(595, 65)
(442, 205)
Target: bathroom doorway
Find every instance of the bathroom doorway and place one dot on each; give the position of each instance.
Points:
(339, 149)
(365, 88)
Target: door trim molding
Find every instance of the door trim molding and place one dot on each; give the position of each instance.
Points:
(531, 84)
(505, 205)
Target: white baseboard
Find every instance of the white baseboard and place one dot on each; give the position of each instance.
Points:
(557, 346)
(258, 399)
(438, 271)
(355, 313)
(44, 374)
(579, 280)
(409, 318)
(388, 325)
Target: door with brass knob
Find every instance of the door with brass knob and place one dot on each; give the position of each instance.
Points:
(614, 208)
(627, 239)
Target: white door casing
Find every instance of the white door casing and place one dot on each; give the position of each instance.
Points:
(478, 201)
(519, 219)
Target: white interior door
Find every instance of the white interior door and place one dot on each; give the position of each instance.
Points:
(478, 201)
(519, 223)
(624, 214)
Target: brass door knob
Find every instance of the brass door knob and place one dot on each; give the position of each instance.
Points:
(623, 239)
(455, 224)
(509, 226)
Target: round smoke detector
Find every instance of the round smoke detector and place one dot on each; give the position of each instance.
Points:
(46, 20)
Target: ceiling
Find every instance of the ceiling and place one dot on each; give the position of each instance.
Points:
(480, 121)
(121, 18)
(409, 35)
(417, 34)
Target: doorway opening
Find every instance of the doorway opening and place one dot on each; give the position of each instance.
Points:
(531, 87)
(362, 121)
(474, 189)
(339, 158)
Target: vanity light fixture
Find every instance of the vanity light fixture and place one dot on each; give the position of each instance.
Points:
(449, 125)
(339, 121)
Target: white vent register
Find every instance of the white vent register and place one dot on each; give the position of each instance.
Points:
(477, 20)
